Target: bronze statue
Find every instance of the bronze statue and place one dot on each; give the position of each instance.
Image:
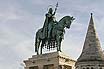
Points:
(52, 33)
(49, 22)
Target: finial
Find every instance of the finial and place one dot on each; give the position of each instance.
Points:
(57, 4)
(91, 14)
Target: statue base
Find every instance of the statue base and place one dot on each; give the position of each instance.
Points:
(54, 60)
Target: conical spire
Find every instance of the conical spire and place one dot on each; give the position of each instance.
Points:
(92, 50)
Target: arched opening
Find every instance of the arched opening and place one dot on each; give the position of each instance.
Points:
(92, 68)
(87, 68)
(100, 68)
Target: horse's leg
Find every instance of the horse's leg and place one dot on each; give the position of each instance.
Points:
(37, 52)
(41, 50)
(41, 47)
(60, 44)
(57, 42)
(38, 44)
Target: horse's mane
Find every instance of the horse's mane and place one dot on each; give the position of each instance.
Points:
(64, 18)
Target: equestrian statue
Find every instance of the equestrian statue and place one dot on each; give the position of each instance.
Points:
(52, 32)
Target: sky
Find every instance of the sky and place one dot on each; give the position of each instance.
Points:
(20, 19)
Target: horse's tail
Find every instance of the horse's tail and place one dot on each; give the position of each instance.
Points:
(37, 39)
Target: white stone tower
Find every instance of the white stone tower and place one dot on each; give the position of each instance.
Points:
(92, 56)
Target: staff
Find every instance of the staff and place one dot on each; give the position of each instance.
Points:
(55, 8)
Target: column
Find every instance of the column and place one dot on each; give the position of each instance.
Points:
(56, 67)
(40, 66)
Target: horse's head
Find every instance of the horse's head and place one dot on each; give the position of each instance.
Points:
(68, 21)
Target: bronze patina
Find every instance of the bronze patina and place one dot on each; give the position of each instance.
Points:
(52, 33)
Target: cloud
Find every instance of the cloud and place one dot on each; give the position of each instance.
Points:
(15, 37)
(14, 47)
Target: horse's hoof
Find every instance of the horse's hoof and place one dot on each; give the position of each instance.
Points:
(60, 51)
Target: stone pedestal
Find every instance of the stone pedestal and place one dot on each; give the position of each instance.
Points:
(55, 60)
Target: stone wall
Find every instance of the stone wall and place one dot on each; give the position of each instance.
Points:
(55, 60)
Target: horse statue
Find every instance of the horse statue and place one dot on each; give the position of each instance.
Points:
(57, 34)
